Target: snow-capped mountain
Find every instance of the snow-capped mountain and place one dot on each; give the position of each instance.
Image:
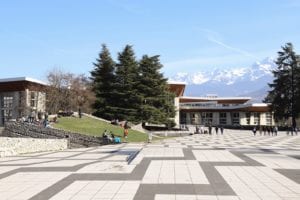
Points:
(229, 82)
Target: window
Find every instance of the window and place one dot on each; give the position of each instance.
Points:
(207, 118)
(6, 108)
(7, 102)
(193, 118)
(248, 118)
(256, 118)
(268, 119)
(223, 118)
(182, 118)
(235, 118)
(33, 99)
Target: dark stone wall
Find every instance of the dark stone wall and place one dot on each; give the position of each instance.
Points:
(17, 129)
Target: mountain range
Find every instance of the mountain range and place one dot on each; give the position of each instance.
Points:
(249, 81)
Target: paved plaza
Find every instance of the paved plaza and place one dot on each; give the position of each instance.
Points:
(236, 165)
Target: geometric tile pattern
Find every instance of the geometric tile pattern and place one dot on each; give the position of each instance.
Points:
(193, 197)
(116, 190)
(236, 165)
(215, 156)
(175, 172)
(24, 185)
(276, 161)
(259, 183)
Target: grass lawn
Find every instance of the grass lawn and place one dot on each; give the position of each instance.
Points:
(90, 126)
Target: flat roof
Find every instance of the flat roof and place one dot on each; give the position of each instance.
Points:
(216, 98)
(15, 79)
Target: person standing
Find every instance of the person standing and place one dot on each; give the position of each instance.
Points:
(275, 130)
(217, 129)
(149, 137)
(79, 113)
(222, 129)
(125, 133)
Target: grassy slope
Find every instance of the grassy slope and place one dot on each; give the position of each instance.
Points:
(89, 126)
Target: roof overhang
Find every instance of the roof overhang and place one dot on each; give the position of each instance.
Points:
(20, 84)
(177, 88)
(220, 100)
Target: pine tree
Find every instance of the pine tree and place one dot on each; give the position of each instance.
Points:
(157, 101)
(126, 92)
(103, 84)
(285, 86)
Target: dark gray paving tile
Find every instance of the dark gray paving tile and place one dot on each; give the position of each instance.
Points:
(293, 174)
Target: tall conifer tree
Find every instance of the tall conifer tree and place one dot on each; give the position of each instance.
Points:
(103, 84)
(126, 91)
(285, 87)
(157, 104)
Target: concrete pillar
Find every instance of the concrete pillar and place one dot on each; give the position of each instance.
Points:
(262, 118)
(228, 118)
(243, 120)
(176, 104)
(251, 118)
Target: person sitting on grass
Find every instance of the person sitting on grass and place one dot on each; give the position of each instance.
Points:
(105, 137)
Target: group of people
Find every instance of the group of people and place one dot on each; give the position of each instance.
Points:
(265, 130)
(202, 130)
(109, 137)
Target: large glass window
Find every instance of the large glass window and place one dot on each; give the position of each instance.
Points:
(182, 118)
(268, 119)
(248, 118)
(256, 118)
(235, 118)
(207, 118)
(223, 118)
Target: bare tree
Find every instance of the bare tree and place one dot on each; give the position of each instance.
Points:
(68, 92)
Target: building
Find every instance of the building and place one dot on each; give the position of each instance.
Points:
(26, 97)
(21, 97)
(214, 110)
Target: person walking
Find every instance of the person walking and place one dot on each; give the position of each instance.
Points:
(254, 130)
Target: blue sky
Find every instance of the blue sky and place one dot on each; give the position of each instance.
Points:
(37, 36)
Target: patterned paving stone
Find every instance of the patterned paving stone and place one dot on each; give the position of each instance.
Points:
(236, 165)
(193, 197)
(107, 167)
(114, 190)
(259, 183)
(175, 172)
(215, 156)
(276, 161)
(24, 185)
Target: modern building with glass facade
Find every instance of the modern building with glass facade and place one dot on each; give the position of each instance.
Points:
(219, 111)
(24, 97)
